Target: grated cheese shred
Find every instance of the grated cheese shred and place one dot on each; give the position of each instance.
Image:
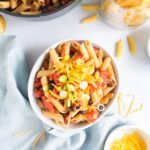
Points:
(131, 141)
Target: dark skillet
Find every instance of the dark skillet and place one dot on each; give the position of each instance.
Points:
(46, 16)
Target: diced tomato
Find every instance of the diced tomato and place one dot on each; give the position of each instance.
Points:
(78, 56)
(38, 93)
(96, 49)
(51, 77)
(37, 79)
(48, 105)
(99, 84)
(92, 88)
(37, 84)
(55, 77)
(55, 91)
(105, 76)
(92, 116)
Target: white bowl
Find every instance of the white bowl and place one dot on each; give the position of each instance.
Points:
(36, 108)
(120, 131)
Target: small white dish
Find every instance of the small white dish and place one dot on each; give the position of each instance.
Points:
(120, 131)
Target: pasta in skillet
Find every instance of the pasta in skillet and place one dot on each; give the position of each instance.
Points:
(73, 81)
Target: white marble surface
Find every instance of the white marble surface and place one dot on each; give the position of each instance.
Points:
(134, 70)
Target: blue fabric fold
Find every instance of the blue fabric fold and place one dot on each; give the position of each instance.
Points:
(16, 115)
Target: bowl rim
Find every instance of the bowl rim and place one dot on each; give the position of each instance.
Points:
(38, 15)
(36, 67)
(118, 129)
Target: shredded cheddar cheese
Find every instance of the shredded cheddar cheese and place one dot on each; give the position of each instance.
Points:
(129, 142)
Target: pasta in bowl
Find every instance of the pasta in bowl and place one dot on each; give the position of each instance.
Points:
(73, 84)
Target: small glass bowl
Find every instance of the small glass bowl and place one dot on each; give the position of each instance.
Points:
(124, 17)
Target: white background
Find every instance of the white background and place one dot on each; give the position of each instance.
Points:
(134, 70)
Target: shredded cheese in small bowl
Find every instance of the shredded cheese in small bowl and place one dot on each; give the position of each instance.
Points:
(128, 138)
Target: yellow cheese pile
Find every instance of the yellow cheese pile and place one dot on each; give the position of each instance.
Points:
(129, 142)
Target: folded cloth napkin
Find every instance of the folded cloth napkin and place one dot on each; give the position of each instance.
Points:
(20, 129)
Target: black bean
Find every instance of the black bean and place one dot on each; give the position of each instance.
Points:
(110, 83)
(83, 112)
(78, 107)
(72, 108)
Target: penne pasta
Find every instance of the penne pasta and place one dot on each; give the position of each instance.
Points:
(129, 3)
(4, 4)
(78, 118)
(56, 103)
(92, 53)
(44, 81)
(90, 7)
(100, 53)
(91, 71)
(90, 19)
(105, 64)
(30, 12)
(59, 47)
(51, 64)
(21, 8)
(13, 3)
(108, 90)
(94, 96)
(107, 98)
(66, 48)
(100, 93)
(55, 116)
(71, 115)
(112, 74)
(131, 44)
(84, 52)
(40, 104)
(90, 62)
(54, 57)
(119, 46)
(42, 73)
(100, 57)
(76, 45)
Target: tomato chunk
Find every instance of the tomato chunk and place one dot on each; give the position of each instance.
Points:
(92, 116)
(93, 88)
(37, 84)
(105, 77)
(48, 105)
(38, 93)
(55, 91)
(96, 49)
(55, 77)
(78, 56)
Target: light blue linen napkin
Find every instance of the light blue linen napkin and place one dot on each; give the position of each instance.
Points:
(19, 126)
